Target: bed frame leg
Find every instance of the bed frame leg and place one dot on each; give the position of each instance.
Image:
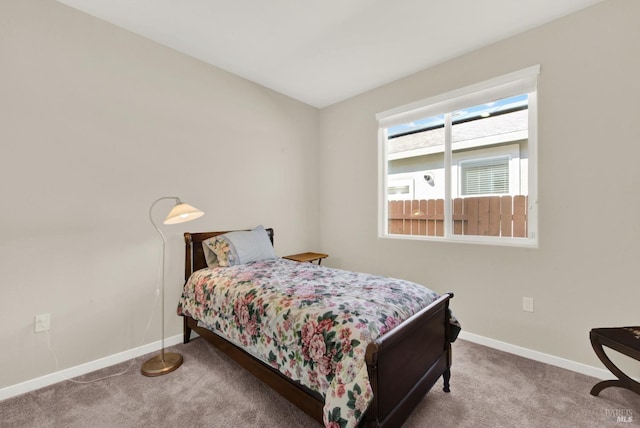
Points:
(186, 332)
(446, 376)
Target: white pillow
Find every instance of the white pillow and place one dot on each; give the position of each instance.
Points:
(236, 248)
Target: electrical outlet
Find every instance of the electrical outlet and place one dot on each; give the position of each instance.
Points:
(42, 322)
(527, 304)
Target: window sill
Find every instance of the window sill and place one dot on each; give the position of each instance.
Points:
(468, 239)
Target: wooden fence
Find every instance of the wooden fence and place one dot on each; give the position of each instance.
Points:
(504, 216)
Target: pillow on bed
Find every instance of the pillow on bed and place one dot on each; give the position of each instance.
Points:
(236, 248)
(209, 252)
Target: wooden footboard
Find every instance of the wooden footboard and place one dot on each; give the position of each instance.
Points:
(406, 362)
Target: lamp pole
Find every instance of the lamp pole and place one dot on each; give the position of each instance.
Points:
(167, 362)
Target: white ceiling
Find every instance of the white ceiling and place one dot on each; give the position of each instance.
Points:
(324, 51)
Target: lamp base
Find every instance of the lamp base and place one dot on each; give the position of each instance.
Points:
(156, 366)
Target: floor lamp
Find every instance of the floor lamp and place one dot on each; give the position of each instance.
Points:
(167, 362)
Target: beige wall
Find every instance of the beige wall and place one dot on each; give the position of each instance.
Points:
(584, 274)
(95, 124)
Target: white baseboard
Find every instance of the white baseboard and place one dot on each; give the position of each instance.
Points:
(536, 356)
(50, 379)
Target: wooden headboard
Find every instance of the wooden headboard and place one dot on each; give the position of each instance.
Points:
(194, 254)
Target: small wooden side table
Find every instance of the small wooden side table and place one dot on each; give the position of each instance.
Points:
(307, 257)
(625, 340)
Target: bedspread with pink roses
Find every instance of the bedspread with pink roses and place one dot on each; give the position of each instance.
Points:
(311, 323)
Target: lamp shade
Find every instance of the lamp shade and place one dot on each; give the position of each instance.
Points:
(182, 212)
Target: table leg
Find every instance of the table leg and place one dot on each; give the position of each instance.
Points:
(623, 381)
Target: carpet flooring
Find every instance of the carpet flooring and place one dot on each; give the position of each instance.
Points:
(489, 388)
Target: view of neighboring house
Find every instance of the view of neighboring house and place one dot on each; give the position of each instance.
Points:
(489, 153)
(487, 166)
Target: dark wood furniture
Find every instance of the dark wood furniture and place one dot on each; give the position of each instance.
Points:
(307, 257)
(403, 365)
(625, 340)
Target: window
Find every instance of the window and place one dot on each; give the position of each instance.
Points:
(462, 166)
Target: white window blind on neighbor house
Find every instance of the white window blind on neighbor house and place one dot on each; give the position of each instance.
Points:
(485, 176)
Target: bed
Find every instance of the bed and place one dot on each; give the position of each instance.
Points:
(400, 364)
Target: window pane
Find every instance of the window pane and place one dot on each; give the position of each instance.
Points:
(489, 145)
(415, 177)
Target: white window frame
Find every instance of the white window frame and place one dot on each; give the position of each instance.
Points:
(519, 82)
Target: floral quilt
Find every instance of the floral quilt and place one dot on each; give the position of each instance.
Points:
(311, 323)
